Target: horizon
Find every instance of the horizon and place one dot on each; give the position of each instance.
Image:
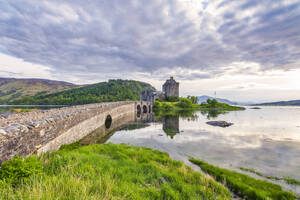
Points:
(251, 54)
(200, 95)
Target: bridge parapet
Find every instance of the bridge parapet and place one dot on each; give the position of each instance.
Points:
(47, 130)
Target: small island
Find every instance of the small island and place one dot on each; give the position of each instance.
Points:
(168, 101)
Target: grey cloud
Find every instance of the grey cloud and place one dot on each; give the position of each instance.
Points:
(119, 38)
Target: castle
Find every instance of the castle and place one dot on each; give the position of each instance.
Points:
(169, 89)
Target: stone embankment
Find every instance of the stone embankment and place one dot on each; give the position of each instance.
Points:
(26, 133)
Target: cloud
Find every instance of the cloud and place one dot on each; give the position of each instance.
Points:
(18, 68)
(190, 39)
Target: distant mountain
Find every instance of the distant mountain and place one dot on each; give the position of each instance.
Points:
(204, 99)
(113, 90)
(12, 88)
(281, 103)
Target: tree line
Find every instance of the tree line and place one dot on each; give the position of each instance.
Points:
(113, 90)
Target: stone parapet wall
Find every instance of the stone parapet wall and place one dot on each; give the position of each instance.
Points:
(47, 130)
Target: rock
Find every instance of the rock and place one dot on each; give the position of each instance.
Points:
(162, 180)
(24, 129)
(255, 108)
(220, 123)
(30, 126)
(2, 132)
(42, 132)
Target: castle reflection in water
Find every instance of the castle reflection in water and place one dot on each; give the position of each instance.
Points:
(170, 125)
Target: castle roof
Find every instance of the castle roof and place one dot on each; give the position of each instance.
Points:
(170, 81)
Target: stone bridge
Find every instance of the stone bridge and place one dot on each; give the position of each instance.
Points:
(46, 130)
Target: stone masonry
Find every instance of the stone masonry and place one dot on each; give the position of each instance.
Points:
(47, 130)
(171, 88)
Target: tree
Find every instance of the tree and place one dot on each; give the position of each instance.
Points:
(194, 99)
(184, 103)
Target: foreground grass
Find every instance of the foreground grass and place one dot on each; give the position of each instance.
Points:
(105, 171)
(288, 180)
(243, 185)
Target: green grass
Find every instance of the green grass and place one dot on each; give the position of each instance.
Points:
(288, 180)
(109, 171)
(22, 110)
(243, 185)
(291, 181)
(212, 108)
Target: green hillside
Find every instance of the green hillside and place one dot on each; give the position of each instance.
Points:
(11, 88)
(113, 90)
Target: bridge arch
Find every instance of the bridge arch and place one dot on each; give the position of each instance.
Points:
(108, 121)
(138, 109)
(144, 109)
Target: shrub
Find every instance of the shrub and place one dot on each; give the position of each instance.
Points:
(18, 170)
(184, 103)
(194, 99)
(69, 147)
(172, 99)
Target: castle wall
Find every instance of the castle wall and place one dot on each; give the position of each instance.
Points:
(171, 88)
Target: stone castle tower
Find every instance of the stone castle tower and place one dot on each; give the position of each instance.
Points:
(171, 88)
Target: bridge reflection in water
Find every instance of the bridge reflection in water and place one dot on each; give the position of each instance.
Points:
(127, 122)
(170, 126)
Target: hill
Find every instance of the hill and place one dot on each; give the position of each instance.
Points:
(12, 88)
(204, 99)
(281, 103)
(113, 90)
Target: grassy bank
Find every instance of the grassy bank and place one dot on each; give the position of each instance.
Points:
(211, 107)
(105, 171)
(215, 105)
(22, 110)
(288, 180)
(243, 185)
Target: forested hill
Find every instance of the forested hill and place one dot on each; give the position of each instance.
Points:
(113, 90)
(12, 88)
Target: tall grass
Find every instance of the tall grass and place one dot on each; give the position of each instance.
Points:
(109, 171)
(243, 185)
(288, 180)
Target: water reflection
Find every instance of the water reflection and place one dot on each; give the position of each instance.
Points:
(170, 121)
(267, 140)
(127, 122)
(189, 115)
(170, 125)
(211, 114)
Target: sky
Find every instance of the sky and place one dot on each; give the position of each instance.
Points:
(244, 50)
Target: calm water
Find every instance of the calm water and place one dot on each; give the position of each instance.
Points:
(267, 140)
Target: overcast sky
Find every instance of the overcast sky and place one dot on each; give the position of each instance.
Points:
(245, 50)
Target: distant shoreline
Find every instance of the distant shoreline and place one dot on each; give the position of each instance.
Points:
(32, 105)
